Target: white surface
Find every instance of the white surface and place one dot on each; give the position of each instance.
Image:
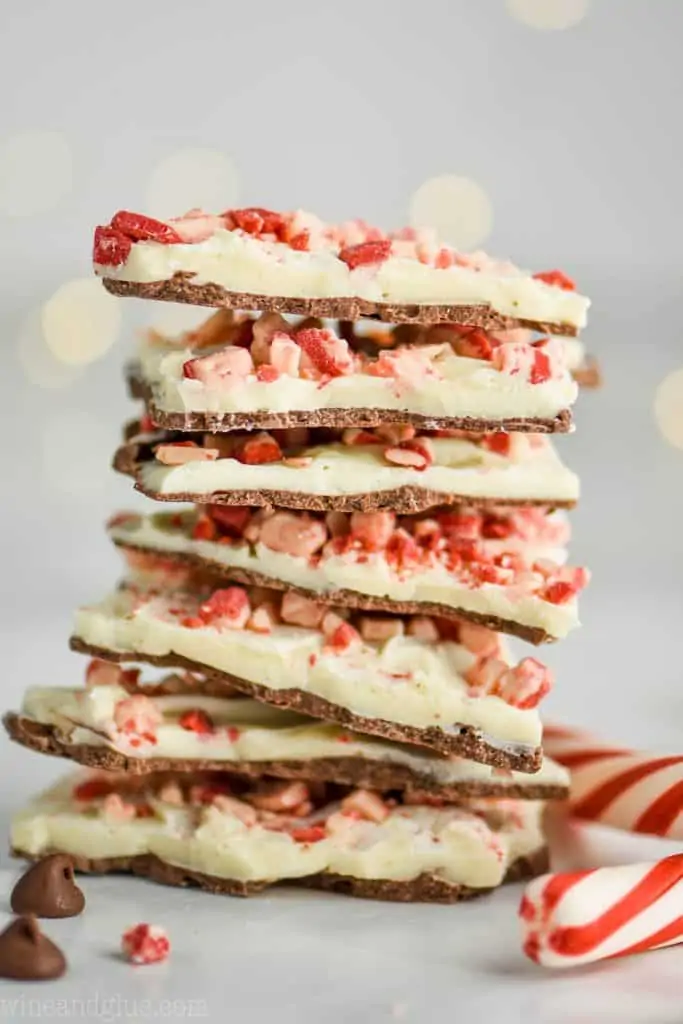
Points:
(306, 957)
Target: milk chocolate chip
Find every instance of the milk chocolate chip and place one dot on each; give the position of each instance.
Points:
(28, 955)
(48, 889)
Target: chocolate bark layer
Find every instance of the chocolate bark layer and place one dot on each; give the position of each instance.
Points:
(180, 288)
(462, 740)
(218, 422)
(423, 889)
(208, 571)
(335, 418)
(354, 771)
(138, 450)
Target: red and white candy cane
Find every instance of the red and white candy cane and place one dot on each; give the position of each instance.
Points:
(580, 917)
(626, 789)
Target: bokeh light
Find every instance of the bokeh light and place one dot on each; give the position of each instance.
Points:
(81, 321)
(457, 207)
(669, 408)
(36, 172)
(39, 364)
(548, 15)
(190, 178)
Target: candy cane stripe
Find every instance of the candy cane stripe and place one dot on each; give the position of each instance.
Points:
(658, 818)
(596, 802)
(579, 758)
(557, 887)
(627, 789)
(582, 939)
(666, 936)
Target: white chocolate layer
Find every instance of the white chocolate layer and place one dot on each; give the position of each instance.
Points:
(461, 467)
(407, 681)
(245, 730)
(373, 576)
(460, 387)
(453, 844)
(241, 263)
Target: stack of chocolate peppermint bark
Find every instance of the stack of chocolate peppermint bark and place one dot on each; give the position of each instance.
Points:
(376, 502)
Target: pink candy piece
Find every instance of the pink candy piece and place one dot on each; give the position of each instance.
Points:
(225, 369)
(179, 452)
(293, 533)
(579, 917)
(228, 608)
(137, 719)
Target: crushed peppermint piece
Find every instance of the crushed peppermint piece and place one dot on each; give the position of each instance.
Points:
(145, 944)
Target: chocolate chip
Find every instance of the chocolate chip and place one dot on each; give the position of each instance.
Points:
(28, 955)
(48, 889)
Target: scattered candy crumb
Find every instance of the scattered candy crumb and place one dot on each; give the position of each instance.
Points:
(145, 944)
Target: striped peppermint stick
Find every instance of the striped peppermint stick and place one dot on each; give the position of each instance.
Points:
(580, 917)
(626, 789)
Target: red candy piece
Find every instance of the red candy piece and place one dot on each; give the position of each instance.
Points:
(525, 685)
(204, 529)
(259, 449)
(108, 673)
(111, 247)
(144, 229)
(401, 551)
(414, 453)
(147, 424)
(92, 789)
(354, 437)
(308, 834)
(557, 278)
(257, 221)
(267, 373)
(366, 253)
(145, 944)
(231, 604)
(444, 259)
(474, 343)
(329, 354)
(196, 720)
(137, 718)
(301, 241)
(232, 519)
(372, 529)
(541, 368)
(559, 592)
(497, 529)
(343, 637)
(499, 443)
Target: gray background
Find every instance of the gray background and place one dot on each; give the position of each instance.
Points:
(346, 110)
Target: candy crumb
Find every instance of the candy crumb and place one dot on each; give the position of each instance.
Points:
(145, 944)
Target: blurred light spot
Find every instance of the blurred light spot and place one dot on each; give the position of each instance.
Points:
(37, 361)
(669, 408)
(81, 321)
(36, 171)
(77, 447)
(548, 15)
(458, 208)
(173, 318)
(192, 178)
